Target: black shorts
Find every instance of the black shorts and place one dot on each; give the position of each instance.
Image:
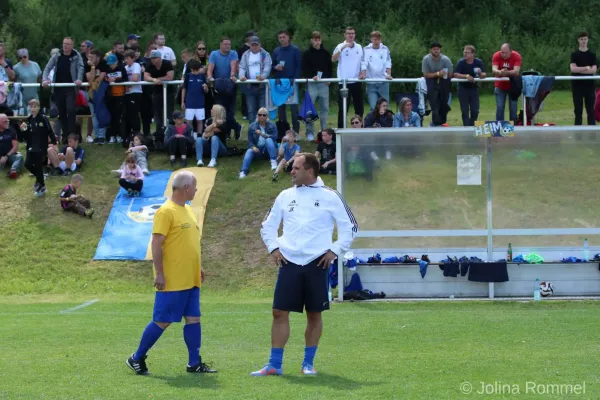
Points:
(302, 287)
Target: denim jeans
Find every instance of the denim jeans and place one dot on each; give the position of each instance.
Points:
(377, 90)
(15, 162)
(319, 93)
(469, 105)
(217, 148)
(501, 96)
(269, 150)
(255, 99)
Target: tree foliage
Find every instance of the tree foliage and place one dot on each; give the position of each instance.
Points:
(543, 31)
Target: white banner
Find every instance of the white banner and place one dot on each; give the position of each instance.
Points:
(468, 170)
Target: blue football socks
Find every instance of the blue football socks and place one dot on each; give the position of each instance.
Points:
(192, 334)
(276, 358)
(151, 334)
(309, 355)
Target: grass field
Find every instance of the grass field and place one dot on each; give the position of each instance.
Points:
(369, 350)
(372, 351)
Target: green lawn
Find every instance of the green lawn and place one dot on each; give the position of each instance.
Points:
(368, 351)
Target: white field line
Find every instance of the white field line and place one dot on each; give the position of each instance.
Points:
(87, 303)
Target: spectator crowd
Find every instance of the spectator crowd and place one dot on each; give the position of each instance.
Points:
(207, 99)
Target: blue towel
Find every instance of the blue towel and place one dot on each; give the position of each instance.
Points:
(571, 260)
(531, 83)
(333, 274)
(308, 112)
(376, 259)
(281, 90)
(519, 259)
(423, 268)
(391, 260)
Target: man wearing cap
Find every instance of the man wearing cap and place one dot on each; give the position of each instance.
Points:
(376, 63)
(255, 64)
(27, 71)
(158, 71)
(437, 70)
(116, 74)
(132, 39)
(68, 68)
(245, 47)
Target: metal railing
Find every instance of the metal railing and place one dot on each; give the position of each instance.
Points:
(342, 82)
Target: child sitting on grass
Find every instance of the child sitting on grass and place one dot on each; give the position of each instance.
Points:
(70, 159)
(71, 201)
(287, 152)
(140, 151)
(326, 152)
(132, 177)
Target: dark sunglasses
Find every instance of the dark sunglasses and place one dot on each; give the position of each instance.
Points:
(22, 57)
(201, 48)
(262, 115)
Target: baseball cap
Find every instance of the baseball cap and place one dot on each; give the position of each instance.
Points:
(249, 34)
(88, 43)
(111, 59)
(255, 40)
(132, 36)
(155, 54)
(435, 44)
(178, 115)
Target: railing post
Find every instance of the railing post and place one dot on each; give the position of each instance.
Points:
(344, 93)
(165, 120)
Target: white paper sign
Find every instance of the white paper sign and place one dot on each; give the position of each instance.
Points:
(468, 170)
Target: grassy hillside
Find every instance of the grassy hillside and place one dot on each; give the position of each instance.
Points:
(44, 250)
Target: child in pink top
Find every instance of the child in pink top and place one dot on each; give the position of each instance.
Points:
(132, 177)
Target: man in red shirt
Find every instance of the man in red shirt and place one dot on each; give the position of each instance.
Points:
(506, 63)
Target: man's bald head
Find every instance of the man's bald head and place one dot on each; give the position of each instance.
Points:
(505, 51)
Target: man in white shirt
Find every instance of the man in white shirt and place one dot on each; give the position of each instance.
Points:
(348, 55)
(376, 64)
(166, 52)
(304, 253)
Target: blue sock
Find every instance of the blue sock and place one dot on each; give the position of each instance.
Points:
(309, 354)
(276, 358)
(149, 337)
(192, 335)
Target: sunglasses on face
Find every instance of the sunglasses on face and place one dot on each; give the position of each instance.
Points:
(201, 48)
(262, 115)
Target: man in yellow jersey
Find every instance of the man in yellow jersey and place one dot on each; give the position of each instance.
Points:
(177, 276)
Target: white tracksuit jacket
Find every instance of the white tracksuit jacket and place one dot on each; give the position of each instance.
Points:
(308, 214)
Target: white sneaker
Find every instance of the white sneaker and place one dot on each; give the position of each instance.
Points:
(212, 163)
(90, 139)
(145, 171)
(273, 165)
(374, 156)
(242, 175)
(116, 172)
(119, 139)
(112, 140)
(310, 137)
(388, 155)
(200, 163)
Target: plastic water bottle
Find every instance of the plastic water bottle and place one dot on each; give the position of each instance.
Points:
(536, 290)
(586, 251)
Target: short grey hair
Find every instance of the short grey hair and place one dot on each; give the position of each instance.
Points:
(182, 179)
